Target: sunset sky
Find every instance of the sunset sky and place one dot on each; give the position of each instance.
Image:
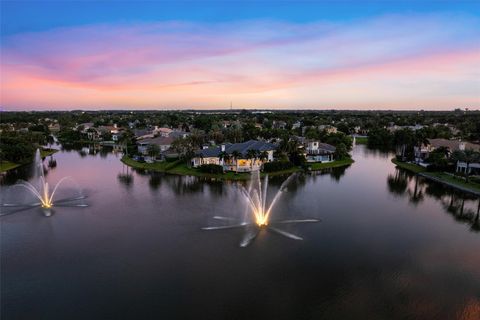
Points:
(280, 55)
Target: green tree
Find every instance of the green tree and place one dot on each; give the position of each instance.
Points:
(263, 155)
(467, 156)
(404, 140)
(224, 156)
(153, 150)
(341, 152)
(252, 155)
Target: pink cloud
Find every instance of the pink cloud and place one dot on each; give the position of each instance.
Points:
(259, 63)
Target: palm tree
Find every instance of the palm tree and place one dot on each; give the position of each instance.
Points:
(467, 156)
(263, 155)
(252, 155)
(224, 156)
(153, 150)
(235, 155)
(50, 141)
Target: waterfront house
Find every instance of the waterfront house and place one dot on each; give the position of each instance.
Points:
(143, 133)
(316, 151)
(236, 156)
(163, 143)
(423, 152)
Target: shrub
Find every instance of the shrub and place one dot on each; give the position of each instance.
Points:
(277, 166)
(475, 179)
(211, 168)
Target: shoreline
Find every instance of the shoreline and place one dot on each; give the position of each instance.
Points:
(438, 177)
(180, 168)
(7, 165)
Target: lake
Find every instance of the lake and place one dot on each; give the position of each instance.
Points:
(389, 246)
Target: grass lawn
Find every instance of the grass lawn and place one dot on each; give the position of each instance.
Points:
(7, 165)
(183, 169)
(409, 166)
(334, 164)
(281, 172)
(47, 152)
(361, 140)
(454, 181)
(179, 167)
(441, 177)
(162, 166)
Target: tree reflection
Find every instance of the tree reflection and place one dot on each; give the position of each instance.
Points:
(335, 173)
(155, 180)
(462, 206)
(398, 182)
(456, 203)
(125, 177)
(417, 195)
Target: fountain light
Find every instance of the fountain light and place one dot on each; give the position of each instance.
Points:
(42, 192)
(256, 198)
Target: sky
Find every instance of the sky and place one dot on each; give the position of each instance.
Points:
(407, 55)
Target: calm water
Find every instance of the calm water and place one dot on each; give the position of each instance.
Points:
(389, 247)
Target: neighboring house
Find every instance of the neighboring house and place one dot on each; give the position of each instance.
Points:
(117, 136)
(164, 132)
(143, 133)
(54, 127)
(279, 124)
(227, 124)
(212, 155)
(114, 131)
(93, 134)
(296, 125)
(163, 144)
(109, 129)
(316, 151)
(176, 134)
(392, 127)
(327, 128)
(301, 140)
(84, 126)
(473, 168)
(422, 153)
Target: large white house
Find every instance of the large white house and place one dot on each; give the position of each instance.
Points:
(237, 156)
(316, 151)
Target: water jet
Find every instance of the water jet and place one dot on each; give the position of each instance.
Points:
(256, 198)
(41, 191)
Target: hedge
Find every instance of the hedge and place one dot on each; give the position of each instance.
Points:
(277, 166)
(211, 168)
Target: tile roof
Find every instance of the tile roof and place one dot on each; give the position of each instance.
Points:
(453, 145)
(242, 148)
(161, 141)
(326, 146)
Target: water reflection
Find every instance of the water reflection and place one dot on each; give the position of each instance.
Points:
(125, 177)
(155, 180)
(383, 231)
(464, 207)
(335, 173)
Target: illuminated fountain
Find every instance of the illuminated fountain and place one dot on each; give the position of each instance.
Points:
(258, 214)
(42, 192)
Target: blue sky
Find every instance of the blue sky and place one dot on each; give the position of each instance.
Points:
(25, 16)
